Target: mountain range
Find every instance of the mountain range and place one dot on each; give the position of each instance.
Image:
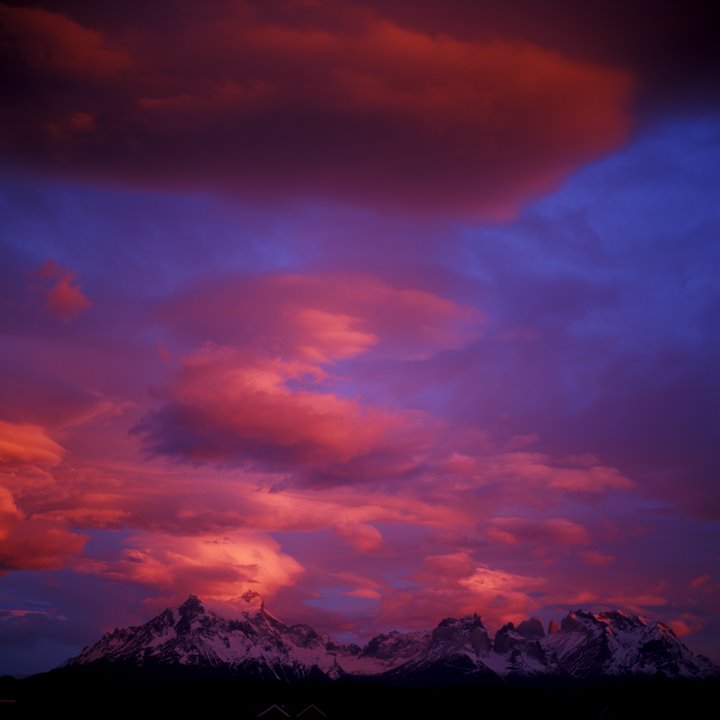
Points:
(257, 645)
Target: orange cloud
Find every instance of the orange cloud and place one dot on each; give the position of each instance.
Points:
(496, 589)
(219, 567)
(27, 444)
(148, 497)
(29, 543)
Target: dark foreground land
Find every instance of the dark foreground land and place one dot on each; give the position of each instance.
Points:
(98, 694)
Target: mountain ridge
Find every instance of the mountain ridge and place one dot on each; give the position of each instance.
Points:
(257, 645)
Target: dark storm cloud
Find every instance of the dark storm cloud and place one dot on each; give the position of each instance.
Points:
(337, 102)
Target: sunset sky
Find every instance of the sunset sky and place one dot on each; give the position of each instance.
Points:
(390, 310)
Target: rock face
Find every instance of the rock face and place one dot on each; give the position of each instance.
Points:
(531, 629)
(508, 639)
(258, 645)
(458, 634)
(455, 654)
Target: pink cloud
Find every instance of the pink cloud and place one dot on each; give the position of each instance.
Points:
(269, 401)
(687, 624)
(552, 531)
(699, 581)
(596, 558)
(322, 318)
(265, 397)
(362, 536)
(230, 406)
(636, 599)
(455, 584)
(451, 565)
(364, 593)
(64, 298)
(504, 592)
(332, 336)
(534, 470)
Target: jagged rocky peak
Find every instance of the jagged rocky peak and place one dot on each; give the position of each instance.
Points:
(553, 626)
(465, 631)
(191, 613)
(612, 621)
(388, 646)
(191, 607)
(509, 637)
(573, 622)
(531, 629)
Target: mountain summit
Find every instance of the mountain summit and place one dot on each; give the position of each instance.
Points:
(258, 645)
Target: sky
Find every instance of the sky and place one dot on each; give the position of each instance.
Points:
(390, 311)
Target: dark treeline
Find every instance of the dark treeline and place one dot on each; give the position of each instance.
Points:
(96, 693)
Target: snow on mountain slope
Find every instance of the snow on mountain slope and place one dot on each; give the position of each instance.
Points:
(383, 653)
(257, 645)
(616, 643)
(586, 645)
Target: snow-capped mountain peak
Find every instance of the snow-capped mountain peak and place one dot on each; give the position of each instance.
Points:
(617, 643)
(254, 600)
